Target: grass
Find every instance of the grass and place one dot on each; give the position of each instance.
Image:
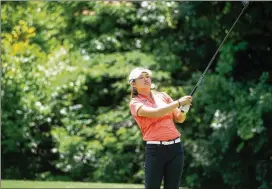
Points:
(57, 184)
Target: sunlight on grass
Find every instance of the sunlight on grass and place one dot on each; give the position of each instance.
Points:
(57, 184)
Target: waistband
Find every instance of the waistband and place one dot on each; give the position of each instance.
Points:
(164, 142)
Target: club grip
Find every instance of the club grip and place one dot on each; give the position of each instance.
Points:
(193, 91)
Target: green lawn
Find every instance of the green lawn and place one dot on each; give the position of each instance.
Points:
(56, 184)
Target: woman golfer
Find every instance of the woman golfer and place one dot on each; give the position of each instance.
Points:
(155, 113)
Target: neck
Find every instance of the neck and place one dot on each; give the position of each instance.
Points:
(145, 92)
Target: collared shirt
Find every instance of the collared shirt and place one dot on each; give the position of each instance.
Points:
(154, 129)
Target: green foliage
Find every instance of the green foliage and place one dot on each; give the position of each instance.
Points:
(65, 93)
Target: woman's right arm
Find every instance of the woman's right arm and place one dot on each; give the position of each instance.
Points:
(161, 111)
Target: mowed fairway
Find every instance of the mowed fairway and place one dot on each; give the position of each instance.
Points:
(56, 184)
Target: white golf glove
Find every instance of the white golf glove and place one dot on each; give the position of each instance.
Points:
(185, 108)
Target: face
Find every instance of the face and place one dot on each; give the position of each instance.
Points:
(143, 81)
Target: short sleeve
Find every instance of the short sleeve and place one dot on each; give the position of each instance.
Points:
(134, 106)
(167, 98)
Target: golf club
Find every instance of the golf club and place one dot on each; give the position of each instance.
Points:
(186, 108)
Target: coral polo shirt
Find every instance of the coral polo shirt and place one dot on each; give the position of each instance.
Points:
(154, 129)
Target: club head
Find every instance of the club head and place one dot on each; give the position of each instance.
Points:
(245, 3)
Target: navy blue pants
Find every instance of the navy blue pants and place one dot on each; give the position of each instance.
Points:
(163, 162)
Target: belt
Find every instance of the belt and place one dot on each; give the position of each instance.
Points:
(164, 142)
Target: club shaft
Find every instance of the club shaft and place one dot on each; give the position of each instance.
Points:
(211, 61)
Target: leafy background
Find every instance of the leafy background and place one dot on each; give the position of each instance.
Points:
(65, 95)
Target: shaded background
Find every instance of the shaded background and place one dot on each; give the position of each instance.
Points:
(65, 93)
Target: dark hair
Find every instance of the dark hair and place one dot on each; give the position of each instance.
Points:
(134, 91)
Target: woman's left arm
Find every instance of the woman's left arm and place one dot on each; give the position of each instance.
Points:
(179, 116)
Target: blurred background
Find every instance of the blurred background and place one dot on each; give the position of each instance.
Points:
(65, 95)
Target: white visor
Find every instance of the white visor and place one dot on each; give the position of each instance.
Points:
(135, 73)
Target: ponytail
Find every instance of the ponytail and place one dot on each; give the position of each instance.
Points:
(134, 92)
